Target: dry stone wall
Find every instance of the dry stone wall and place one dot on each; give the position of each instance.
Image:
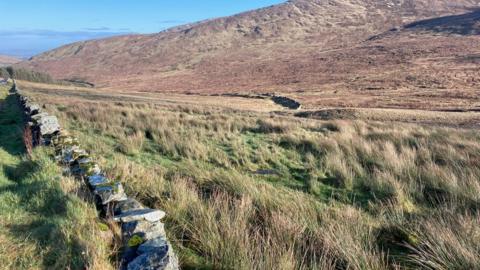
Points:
(286, 102)
(145, 245)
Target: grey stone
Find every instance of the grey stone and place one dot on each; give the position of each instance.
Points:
(127, 205)
(97, 179)
(95, 170)
(148, 230)
(110, 193)
(152, 230)
(153, 245)
(87, 167)
(84, 160)
(37, 116)
(32, 107)
(150, 261)
(76, 170)
(48, 125)
(67, 157)
(151, 215)
(172, 261)
(77, 151)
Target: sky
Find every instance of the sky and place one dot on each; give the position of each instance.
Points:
(29, 27)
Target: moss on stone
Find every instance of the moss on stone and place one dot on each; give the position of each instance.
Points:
(135, 241)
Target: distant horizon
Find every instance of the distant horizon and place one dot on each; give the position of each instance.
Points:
(32, 27)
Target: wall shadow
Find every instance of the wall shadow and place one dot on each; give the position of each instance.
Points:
(11, 126)
(47, 204)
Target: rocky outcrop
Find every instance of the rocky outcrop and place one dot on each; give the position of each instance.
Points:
(145, 245)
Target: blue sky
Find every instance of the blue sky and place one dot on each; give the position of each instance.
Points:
(29, 27)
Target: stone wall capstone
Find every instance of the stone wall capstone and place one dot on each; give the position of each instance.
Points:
(145, 245)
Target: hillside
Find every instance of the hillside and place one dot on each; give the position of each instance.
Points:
(8, 60)
(325, 53)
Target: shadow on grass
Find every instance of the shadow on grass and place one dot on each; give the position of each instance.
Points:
(11, 126)
(46, 204)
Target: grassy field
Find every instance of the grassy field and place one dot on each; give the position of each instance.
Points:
(253, 190)
(43, 222)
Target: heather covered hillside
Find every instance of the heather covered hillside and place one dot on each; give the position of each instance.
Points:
(383, 53)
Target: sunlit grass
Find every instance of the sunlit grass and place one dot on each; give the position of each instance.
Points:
(250, 190)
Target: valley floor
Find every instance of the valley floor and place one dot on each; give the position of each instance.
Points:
(43, 223)
(247, 189)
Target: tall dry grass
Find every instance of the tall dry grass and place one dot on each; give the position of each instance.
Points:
(340, 195)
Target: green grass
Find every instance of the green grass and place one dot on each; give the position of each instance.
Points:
(43, 223)
(345, 194)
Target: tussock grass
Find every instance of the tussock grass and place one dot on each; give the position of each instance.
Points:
(338, 195)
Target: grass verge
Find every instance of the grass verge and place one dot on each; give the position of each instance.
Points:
(43, 222)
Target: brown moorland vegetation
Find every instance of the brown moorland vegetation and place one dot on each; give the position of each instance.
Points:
(260, 190)
(418, 54)
(6, 60)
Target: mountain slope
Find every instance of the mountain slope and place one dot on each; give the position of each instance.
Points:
(301, 45)
(6, 60)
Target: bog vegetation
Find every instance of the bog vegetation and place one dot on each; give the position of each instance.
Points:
(261, 191)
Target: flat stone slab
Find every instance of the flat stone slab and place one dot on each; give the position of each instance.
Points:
(151, 215)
